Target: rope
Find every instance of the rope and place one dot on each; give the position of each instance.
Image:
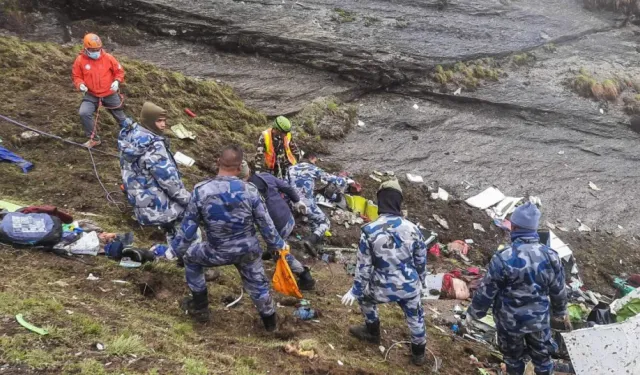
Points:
(108, 194)
(94, 132)
(386, 355)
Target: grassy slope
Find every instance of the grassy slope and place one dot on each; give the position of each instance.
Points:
(149, 335)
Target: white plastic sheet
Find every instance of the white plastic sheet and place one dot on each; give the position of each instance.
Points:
(88, 244)
(608, 349)
(486, 199)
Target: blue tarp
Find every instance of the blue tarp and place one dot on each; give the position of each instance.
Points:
(9, 156)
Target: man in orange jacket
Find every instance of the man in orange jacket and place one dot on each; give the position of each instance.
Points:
(276, 151)
(98, 76)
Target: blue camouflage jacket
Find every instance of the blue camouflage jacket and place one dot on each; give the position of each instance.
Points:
(229, 210)
(303, 177)
(392, 260)
(522, 282)
(150, 176)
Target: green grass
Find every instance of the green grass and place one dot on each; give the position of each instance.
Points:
(469, 74)
(125, 345)
(523, 59)
(195, 367)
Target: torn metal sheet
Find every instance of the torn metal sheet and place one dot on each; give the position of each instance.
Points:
(486, 199)
(433, 282)
(607, 349)
(506, 206)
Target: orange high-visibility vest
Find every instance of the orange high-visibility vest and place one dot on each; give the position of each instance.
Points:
(270, 153)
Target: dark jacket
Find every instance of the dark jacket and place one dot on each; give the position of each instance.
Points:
(272, 190)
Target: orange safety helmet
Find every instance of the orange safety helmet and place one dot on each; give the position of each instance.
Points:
(92, 41)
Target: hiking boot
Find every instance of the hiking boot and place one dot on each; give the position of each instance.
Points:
(197, 306)
(269, 322)
(369, 332)
(211, 274)
(417, 354)
(92, 143)
(310, 244)
(305, 281)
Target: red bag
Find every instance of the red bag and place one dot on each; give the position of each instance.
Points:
(50, 210)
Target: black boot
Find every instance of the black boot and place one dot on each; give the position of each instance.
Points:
(305, 281)
(310, 243)
(197, 306)
(417, 354)
(270, 322)
(369, 332)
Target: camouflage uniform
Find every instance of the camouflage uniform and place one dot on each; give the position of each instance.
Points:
(229, 209)
(522, 282)
(392, 260)
(302, 176)
(150, 176)
(294, 264)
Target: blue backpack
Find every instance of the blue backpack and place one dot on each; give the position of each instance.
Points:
(17, 228)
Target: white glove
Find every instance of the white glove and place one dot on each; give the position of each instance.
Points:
(348, 298)
(115, 85)
(83, 88)
(300, 207)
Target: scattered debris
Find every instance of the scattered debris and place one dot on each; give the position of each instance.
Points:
(374, 178)
(298, 350)
(583, 227)
(128, 263)
(486, 199)
(183, 159)
(442, 222)
(9, 156)
(478, 227)
(120, 282)
(189, 112)
(414, 178)
(236, 300)
(182, 132)
(340, 363)
(30, 326)
(458, 91)
(361, 123)
(415, 106)
(440, 194)
(29, 134)
(59, 283)
(99, 347)
(560, 152)
(332, 347)
(593, 186)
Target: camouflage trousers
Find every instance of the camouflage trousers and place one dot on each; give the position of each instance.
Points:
(170, 231)
(537, 345)
(248, 264)
(413, 314)
(295, 265)
(318, 221)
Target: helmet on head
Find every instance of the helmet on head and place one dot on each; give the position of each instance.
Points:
(92, 41)
(282, 123)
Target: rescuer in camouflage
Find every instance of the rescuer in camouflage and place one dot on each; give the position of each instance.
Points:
(229, 210)
(149, 173)
(523, 283)
(391, 267)
(303, 177)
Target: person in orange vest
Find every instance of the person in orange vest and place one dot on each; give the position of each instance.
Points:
(98, 76)
(277, 149)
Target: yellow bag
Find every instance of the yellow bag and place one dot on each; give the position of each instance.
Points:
(283, 280)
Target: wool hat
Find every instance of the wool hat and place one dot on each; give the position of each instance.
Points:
(244, 170)
(149, 114)
(526, 216)
(391, 184)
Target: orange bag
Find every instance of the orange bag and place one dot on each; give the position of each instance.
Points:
(283, 280)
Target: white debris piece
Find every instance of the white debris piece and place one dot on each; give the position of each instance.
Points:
(91, 277)
(560, 247)
(87, 244)
(414, 178)
(593, 186)
(560, 152)
(535, 200)
(433, 282)
(549, 225)
(361, 123)
(415, 106)
(374, 178)
(505, 207)
(583, 227)
(458, 91)
(382, 349)
(479, 227)
(443, 223)
(486, 199)
(29, 134)
(443, 194)
(183, 159)
(605, 349)
(340, 363)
